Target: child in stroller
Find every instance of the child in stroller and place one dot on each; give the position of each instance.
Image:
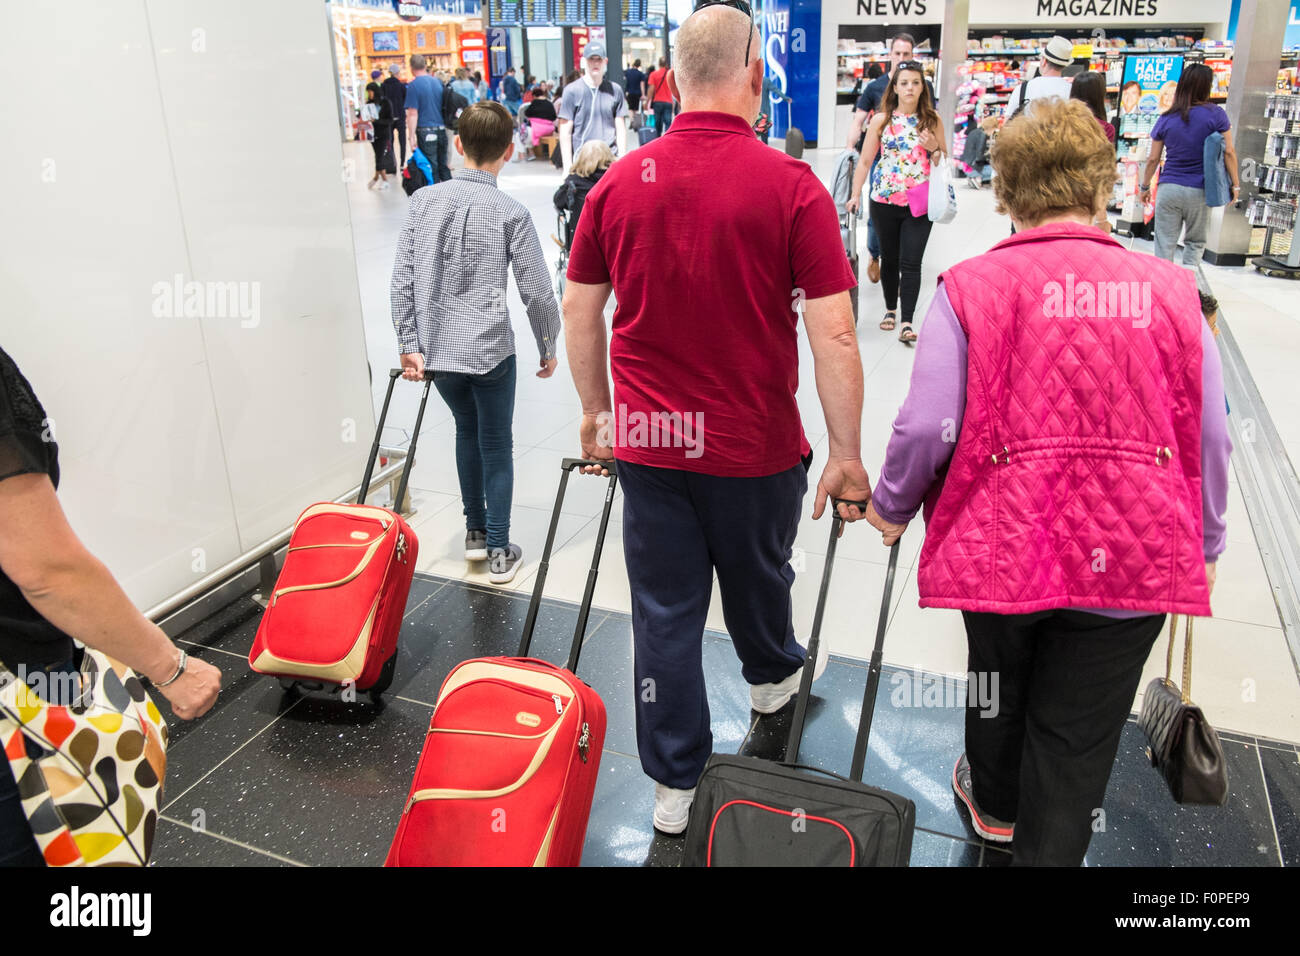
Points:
(588, 166)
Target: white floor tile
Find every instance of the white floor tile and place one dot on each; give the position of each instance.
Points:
(1242, 677)
(930, 639)
(442, 542)
(1242, 591)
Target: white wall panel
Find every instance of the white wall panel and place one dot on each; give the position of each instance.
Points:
(91, 221)
(248, 93)
(142, 157)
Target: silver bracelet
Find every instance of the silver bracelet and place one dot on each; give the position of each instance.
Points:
(180, 669)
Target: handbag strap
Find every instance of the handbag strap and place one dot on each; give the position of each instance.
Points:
(1186, 687)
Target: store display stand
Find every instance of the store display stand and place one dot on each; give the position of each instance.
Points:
(1277, 185)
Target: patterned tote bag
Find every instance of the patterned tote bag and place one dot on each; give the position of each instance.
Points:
(89, 766)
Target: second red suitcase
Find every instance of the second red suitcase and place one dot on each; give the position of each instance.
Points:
(510, 761)
(338, 602)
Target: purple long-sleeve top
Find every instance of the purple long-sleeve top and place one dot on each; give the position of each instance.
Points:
(918, 453)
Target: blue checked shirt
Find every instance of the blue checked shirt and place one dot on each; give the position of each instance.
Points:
(448, 293)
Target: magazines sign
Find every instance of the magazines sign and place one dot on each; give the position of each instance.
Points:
(1093, 12)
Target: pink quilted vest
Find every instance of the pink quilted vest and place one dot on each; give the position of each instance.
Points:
(1076, 480)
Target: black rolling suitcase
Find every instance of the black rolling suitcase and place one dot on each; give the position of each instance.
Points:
(753, 812)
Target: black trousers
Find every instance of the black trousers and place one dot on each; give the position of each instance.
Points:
(902, 238)
(1065, 681)
(401, 137)
(432, 141)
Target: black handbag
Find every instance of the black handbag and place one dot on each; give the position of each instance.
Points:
(753, 812)
(1182, 744)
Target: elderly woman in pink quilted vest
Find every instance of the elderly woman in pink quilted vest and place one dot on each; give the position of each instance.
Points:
(1065, 431)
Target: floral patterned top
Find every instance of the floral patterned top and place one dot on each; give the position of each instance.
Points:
(902, 164)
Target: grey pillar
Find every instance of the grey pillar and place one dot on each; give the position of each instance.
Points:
(614, 40)
(956, 19)
(566, 53)
(1256, 56)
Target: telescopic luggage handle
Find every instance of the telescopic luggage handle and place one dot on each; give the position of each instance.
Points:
(567, 466)
(814, 643)
(873, 675)
(393, 375)
(814, 639)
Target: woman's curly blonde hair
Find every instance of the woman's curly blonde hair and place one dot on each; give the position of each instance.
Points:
(1050, 160)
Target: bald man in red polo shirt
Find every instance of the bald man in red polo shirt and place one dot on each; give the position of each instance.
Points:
(712, 243)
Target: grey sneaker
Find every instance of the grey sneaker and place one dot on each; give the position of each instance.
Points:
(990, 828)
(476, 546)
(505, 562)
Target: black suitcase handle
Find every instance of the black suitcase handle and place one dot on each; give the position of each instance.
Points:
(571, 463)
(584, 612)
(393, 375)
(873, 675)
(814, 644)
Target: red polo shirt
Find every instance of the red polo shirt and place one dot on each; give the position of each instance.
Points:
(709, 237)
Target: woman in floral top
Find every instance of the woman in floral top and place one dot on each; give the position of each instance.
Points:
(907, 133)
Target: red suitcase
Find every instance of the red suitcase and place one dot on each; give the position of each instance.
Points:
(337, 607)
(510, 760)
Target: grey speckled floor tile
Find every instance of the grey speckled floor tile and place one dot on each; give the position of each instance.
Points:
(324, 784)
(176, 844)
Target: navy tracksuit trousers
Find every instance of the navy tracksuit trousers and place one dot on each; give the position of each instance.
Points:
(678, 529)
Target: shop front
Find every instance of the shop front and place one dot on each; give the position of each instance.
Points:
(1003, 37)
(373, 34)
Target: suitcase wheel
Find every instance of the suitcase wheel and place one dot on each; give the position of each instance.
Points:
(288, 685)
(385, 679)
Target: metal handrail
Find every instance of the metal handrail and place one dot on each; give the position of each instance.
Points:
(249, 558)
(1269, 486)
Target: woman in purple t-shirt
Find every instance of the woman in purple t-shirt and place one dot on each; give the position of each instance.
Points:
(1180, 136)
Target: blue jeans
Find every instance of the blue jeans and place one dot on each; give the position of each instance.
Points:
(680, 527)
(663, 117)
(484, 409)
(513, 106)
(873, 241)
(17, 845)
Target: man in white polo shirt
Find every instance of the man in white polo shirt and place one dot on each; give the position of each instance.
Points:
(592, 108)
(1057, 55)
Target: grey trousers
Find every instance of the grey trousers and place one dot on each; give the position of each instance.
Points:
(1176, 207)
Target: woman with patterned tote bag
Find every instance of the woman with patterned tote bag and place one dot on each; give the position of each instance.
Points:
(83, 742)
(90, 771)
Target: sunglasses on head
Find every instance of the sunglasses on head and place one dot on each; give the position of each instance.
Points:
(740, 5)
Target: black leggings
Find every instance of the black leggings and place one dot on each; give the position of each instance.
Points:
(902, 245)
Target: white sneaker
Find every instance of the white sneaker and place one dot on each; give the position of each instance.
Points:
(672, 808)
(769, 698)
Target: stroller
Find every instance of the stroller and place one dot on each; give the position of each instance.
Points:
(562, 237)
(842, 192)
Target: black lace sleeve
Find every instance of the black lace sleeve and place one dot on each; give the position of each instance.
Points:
(27, 443)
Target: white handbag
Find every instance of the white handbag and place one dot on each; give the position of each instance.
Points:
(943, 198)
